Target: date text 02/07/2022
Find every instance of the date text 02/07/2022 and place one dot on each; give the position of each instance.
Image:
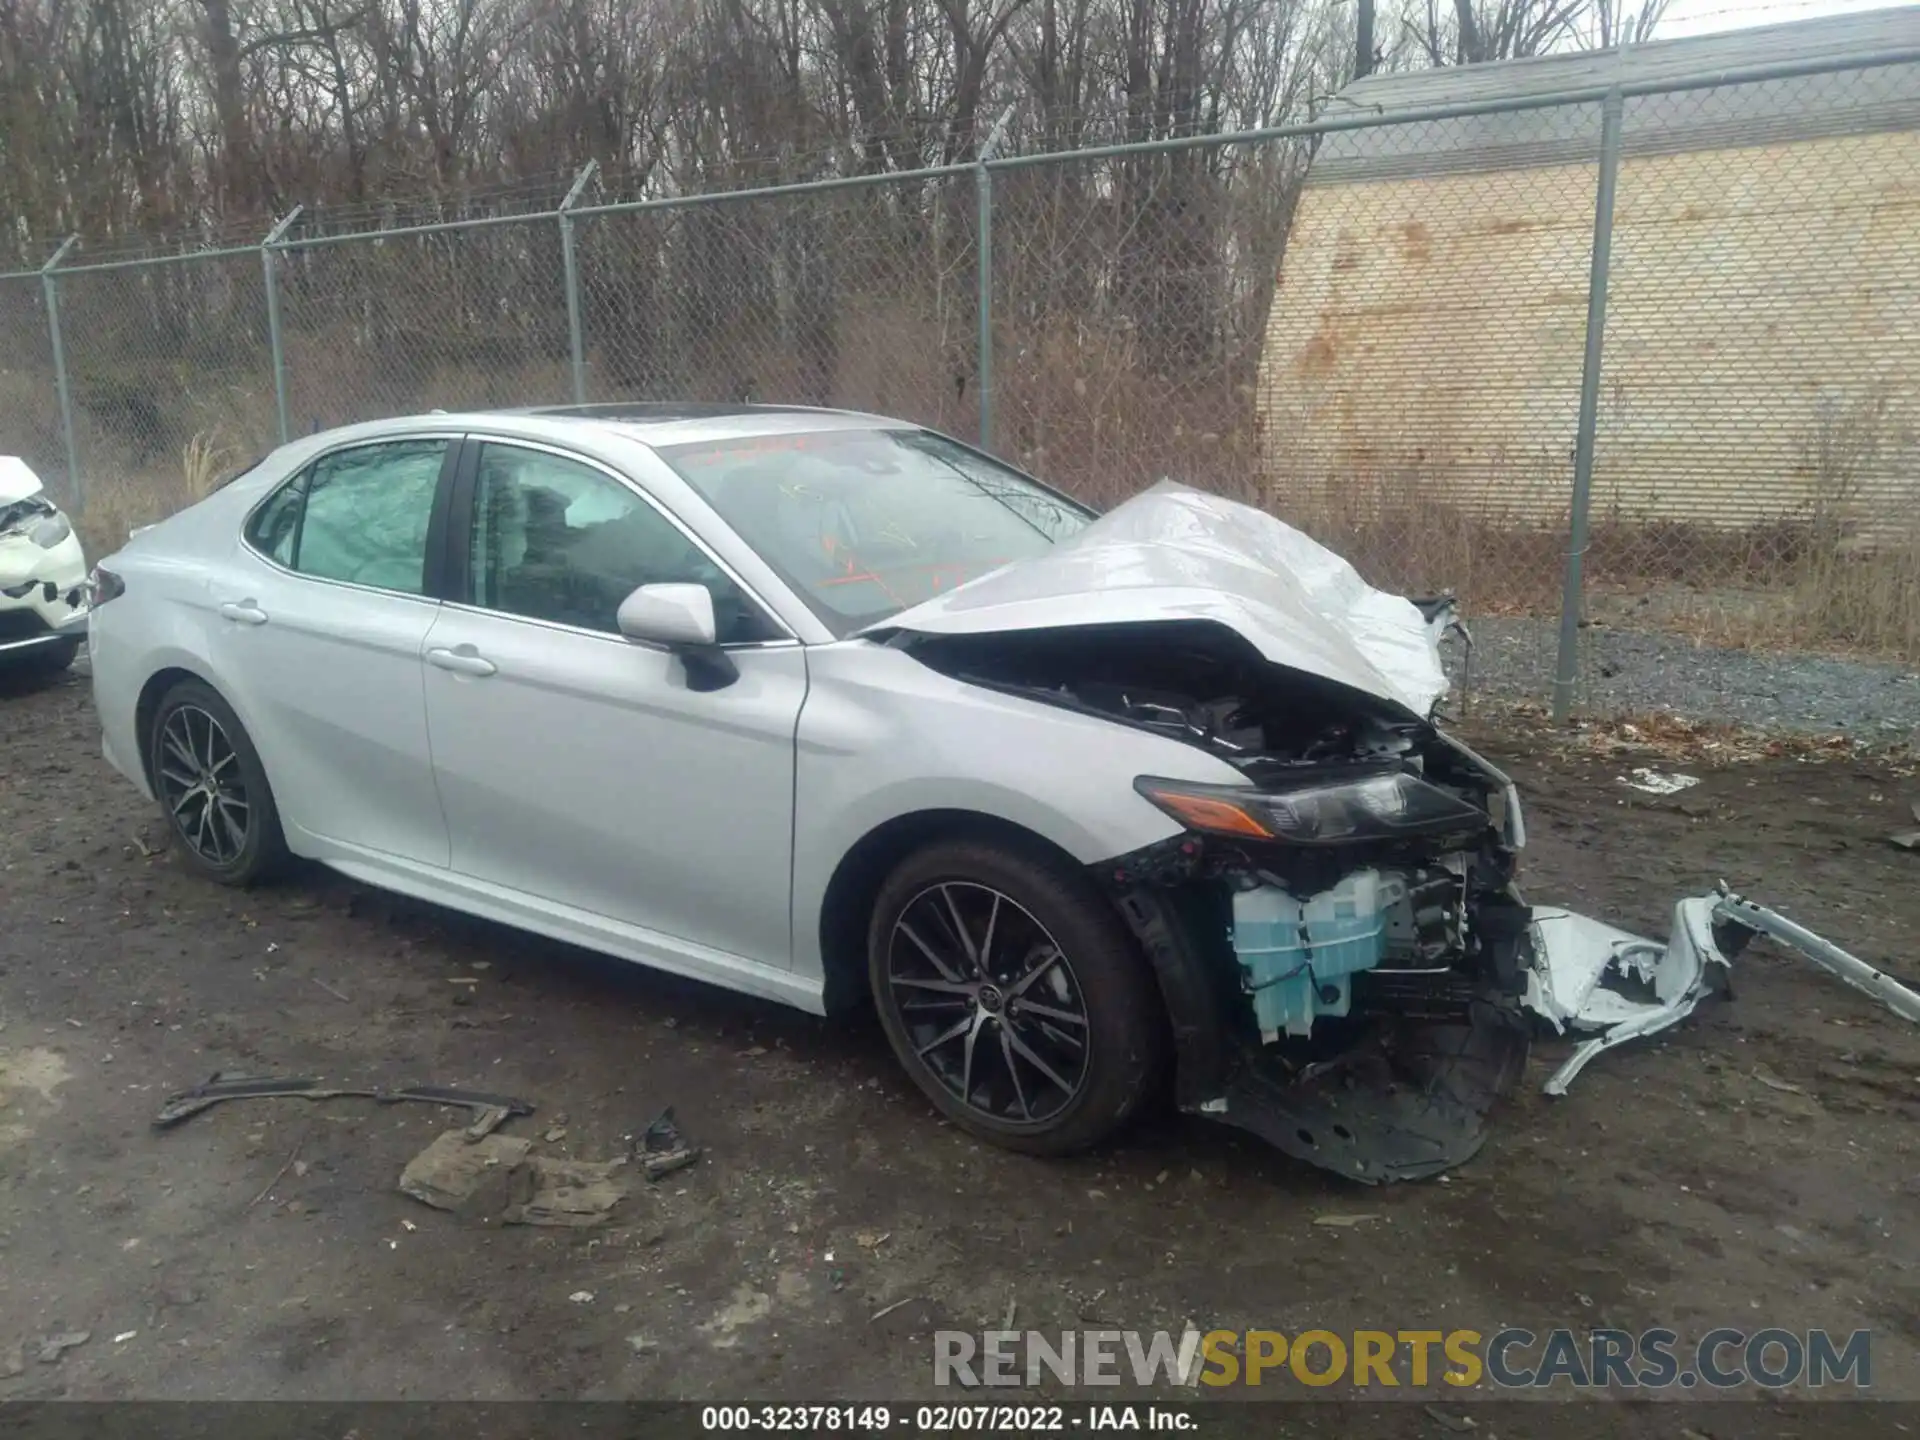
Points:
(943, 1419)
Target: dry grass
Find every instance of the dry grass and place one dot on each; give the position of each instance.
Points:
(1079, 405)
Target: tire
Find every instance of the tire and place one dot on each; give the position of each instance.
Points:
(231, 835)
(1057, 950)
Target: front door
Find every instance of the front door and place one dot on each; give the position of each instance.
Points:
(577, 766)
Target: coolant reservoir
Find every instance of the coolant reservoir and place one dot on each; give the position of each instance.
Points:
(1297, 956)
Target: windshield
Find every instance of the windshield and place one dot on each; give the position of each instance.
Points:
(864, 523)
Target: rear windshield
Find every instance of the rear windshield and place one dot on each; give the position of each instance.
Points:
(864, 523)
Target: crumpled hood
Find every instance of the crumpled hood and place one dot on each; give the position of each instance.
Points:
(1176, 553)
(17, 480)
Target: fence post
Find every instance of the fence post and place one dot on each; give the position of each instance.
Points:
(983, 255)
(569, 262)
(76, 488)
(1612, 109)
(273, 319)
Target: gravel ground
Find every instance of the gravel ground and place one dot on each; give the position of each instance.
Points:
(1639, 671)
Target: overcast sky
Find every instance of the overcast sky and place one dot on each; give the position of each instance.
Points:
(1704, 17)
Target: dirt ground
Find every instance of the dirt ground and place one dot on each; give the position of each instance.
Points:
(261, 1250)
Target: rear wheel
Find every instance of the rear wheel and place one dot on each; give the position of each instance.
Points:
(1014, 995)
(212, 788)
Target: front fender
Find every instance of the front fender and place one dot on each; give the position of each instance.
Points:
(882, 737)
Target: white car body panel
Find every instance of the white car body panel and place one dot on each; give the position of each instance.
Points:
(882, 737)
(1174, 553)
(25, 563)
(327, 679)
(585, 771)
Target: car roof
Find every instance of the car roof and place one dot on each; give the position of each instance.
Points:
(602, 430)
(660, 423)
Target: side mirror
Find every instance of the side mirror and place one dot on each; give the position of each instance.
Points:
(680, 617)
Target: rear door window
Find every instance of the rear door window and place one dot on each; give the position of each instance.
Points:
(358, 515)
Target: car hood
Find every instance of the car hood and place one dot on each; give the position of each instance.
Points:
(17, 480)
(1176, 553)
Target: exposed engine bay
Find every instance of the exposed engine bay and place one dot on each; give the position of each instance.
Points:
(1372, 869)
(1349, 966)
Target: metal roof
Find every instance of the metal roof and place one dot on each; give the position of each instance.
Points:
(1767, 112)
(643, 412)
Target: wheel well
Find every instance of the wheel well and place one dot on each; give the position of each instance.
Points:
(856, 882)
(151, 694)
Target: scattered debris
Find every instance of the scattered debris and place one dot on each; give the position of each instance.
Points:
(1459, 1424)
(1824, 953)
(867, 1240)
(555, 1135)
(220, 1088)
(124, 1336)
(887, 1310)
(486, 1122)
(14, 1362)
(573, 1193)
(147, 852)
(1905, 839)
(54, 1346)
(1343, 1222)
(663, 1149)
(495, 1175)
(331, 991)
(1589, 977)
(639, 1344)
(278, 1174)
(581, 1297)
(1774, 1082)
(1007, 1324)
(1654, 782)
(450, 1172)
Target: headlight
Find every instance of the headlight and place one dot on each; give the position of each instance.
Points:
(51, 531)
(1353, 811)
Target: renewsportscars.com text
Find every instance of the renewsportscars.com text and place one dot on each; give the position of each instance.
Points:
(1374, 1360)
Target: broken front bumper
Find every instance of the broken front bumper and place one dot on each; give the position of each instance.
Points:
(1411, 1101)
(43, 599)
(1593, 980)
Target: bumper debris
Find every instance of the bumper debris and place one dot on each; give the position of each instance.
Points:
(1590, 978)
(221, 1088)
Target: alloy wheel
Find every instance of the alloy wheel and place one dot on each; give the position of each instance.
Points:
(202, 785)
(990, 1003)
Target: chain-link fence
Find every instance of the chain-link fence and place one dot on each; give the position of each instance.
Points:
(1635, 359)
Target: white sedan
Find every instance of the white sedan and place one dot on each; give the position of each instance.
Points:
(820, 706)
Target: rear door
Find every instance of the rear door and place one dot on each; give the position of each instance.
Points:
(323, 614)
(578, 766)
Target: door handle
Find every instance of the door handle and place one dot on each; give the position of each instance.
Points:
(463, 661)
(244, 611)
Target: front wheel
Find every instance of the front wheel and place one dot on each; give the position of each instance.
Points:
(1014, 995)
(213, 788)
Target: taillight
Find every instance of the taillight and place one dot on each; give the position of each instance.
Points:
(103, 585)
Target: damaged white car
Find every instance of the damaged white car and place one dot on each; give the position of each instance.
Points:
(824, 707)
(43, 601)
